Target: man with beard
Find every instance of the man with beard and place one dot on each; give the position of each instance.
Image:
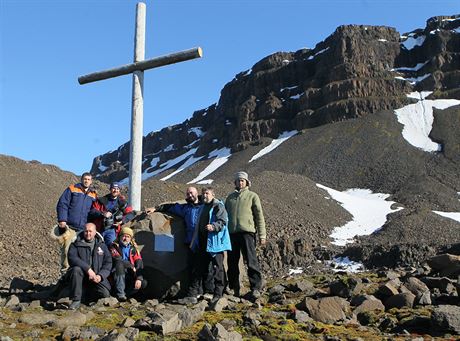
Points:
(90, 266)
(213, 240)
(128, 265)
(245, 220)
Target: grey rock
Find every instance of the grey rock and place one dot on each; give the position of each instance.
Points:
(327, 309)
(400, 300)
(162, 322)
(128, 322)
(446, 318)
(205, 333)
(301, 316)
(369, 304)
(219, 305)
(37, 318)
(12, 301)
(108, 302)
(71, 333)
(190, 316)
(74, 318)
(346, 287)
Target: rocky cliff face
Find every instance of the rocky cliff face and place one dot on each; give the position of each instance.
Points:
(357, 71)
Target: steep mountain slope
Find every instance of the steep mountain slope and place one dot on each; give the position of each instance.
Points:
(357, 71)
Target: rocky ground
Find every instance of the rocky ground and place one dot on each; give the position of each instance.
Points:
(401, 304)
(418, 300)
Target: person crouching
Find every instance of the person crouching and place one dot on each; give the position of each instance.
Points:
(90, 266)
(127, 265)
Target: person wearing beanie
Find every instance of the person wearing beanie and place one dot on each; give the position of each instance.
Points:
(245, 221)
(107, 213)
(127, 265)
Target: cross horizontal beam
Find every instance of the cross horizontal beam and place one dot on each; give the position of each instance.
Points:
(142, 65)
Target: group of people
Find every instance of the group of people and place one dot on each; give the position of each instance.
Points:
(214, 227)
(96, 248)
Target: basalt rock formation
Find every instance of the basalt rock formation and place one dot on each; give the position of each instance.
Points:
(359, 70)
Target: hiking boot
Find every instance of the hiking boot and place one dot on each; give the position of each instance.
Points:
(122, 298)
(214, 299)
(74, 305)
(188, 300)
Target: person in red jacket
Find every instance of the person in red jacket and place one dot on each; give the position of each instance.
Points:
(127, 265)
(108, 211)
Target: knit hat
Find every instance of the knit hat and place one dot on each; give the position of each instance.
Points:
(115, 185)
(242, 175)
(128, 231)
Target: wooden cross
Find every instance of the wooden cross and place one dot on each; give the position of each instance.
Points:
(137, 69)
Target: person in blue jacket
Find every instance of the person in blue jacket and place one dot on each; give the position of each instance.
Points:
(72, 213)
(210, 240)
(190, 212)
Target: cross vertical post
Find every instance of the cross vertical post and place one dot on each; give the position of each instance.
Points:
(137, 68)
(137, 113)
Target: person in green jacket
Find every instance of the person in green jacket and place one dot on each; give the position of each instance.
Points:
(245, 220)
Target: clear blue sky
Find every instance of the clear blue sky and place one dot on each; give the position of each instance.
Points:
(46, 45)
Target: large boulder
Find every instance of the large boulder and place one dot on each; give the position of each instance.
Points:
(161, 240)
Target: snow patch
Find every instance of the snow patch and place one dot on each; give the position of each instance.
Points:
(221, 157)
(169, 148)
(451, 215)
(412, 42)
(369, 211)
(295, 271)
(417, 120)
(345, 264)
(415, 68)
(415, 80)
(168, 164)
(274, 144)
(197, 130)
(318, 53)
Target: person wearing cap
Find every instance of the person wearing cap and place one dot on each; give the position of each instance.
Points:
(108, 211)
(72, 214)
(90, 266)
(245, 221)
(127, 265)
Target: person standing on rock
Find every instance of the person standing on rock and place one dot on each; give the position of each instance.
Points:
(72, 214)
(245, 220)
(213, 240)
(127, 265)
(90, 266)
(108, 211)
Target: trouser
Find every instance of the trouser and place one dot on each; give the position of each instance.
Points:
(209, 266)
(205, 280)
(244, 243)
(109, 236)
(70, 236)
(125, 278)
(80, 285)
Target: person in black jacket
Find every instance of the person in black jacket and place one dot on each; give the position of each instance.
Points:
(90, 266)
